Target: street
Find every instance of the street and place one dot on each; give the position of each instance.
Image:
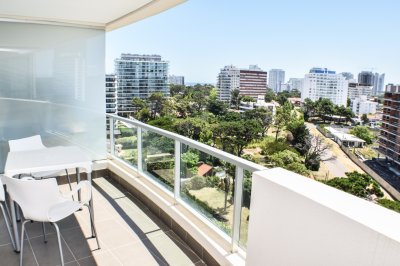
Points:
(336, 162)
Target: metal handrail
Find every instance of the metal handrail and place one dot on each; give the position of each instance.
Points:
(230, 158)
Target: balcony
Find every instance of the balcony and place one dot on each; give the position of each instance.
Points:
(145, 213)
(161, 198)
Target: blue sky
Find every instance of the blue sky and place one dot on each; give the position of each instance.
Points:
(201, 36)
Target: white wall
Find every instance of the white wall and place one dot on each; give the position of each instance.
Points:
(297, 221)
(52, 84)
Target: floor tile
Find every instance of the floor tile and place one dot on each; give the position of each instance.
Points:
(113, 234)
(48, 253)
(9, 257)
(82, 245)
(136, 254)
(168, 248)
(104, 258)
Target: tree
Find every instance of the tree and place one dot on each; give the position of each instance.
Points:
(341, 111)
(231, 116)
(271, 146)
(138, 104)
(318, 147)
(176, 89)
(234, 136)
(269, 95)
(213, 94)
(348, 114)
(363, 133)
(190, 158)
(262, 115)
(348, 103)
(360, 185)
(247, 99)
(144, 115)
(184, 108)
(235, 99)
(289, 160)
(164, 122)
(309, 108)
(325, 108)
(364, 119)
(216, 107)
(191, 127)
(199, 101)
(282, 117)
(157, 101)
(301, 137)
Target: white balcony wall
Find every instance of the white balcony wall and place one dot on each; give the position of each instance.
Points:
(52, 84)
(297, 221)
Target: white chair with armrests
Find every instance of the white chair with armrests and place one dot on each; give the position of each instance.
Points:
(41, 201)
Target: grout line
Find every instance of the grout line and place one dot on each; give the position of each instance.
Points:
(30, 246)
(68, 247)
(115, 257)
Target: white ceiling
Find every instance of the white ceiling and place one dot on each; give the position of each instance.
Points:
(108, 14)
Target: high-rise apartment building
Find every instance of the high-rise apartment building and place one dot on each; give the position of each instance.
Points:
(176, 80)
(324, 83)
(253, 81)
(295, 84)
(357, 90)
(228, 80)
(366, 78)
(275, 79)
(139, 76)
(348, 75)
(250, 82)
(111, 94)
(379, 83)
(389, 138)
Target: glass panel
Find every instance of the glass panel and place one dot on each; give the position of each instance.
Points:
(207, 185)
(52, 84)
(125, 139)
(245, 211)
(158, 158)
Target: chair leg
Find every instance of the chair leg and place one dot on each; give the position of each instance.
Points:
(18, 213)
(59, 243)
(44, 232)
(93, 225)
(69, 182)
(7, 223)
(7, 209)
(21, 254)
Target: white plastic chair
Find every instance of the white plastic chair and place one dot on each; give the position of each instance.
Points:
(41, 201)
(34, 143)
(6, 213)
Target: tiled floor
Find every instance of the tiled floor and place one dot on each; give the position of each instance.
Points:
(129, 234)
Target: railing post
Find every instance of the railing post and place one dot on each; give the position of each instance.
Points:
(177, 170)
(112, 141)
(237, 208)
(139, 150)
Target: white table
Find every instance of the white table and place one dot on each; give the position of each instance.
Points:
(49, 159)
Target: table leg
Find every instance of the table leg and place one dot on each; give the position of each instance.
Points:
(78, 179)
(14, 225)
(89, 177)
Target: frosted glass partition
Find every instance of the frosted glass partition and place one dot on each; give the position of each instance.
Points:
(52, 84)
